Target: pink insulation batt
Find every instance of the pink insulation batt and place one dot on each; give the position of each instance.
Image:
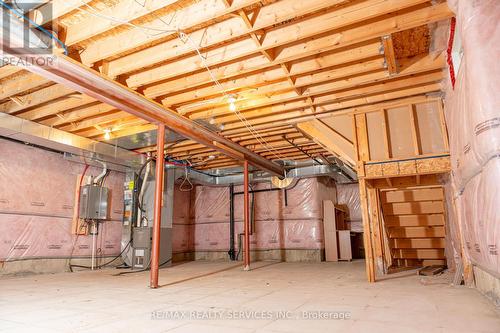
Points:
(298, 225)
(472, 110)
(37, 200)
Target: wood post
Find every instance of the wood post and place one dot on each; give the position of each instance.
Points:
(370, 267)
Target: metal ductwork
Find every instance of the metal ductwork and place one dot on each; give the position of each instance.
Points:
(83, 150)
(78, 149)
(14, 28)
(64, 70)
(224, 178)
(25, 6)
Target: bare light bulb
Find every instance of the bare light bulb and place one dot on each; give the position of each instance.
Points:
(107, 134)
(231, 100)
(232, 107)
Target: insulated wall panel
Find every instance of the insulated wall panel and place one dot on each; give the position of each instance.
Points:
(37, 199)
(282, 221)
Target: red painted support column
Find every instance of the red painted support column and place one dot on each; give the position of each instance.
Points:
(160, 165)
(246, 218)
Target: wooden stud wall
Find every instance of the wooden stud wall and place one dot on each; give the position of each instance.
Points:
(413, 163)
(404, 222)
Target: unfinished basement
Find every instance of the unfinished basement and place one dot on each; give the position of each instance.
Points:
(266, 166)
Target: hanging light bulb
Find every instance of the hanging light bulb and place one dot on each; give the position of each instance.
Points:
(232, 99)
(107, 134)
(232, 107)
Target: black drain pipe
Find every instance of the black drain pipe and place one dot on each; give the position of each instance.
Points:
(231, 252)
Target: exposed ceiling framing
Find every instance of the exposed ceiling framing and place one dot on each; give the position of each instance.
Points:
(288, 64)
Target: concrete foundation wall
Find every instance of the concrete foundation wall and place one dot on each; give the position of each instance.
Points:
(51, 265)
(488, 285)
(286, 255)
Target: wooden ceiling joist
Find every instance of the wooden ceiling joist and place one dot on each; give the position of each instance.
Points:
(287, 62)
(291, 41)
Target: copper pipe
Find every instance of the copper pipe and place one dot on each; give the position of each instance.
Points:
(246, 218)
(160, 165)
(72, 74)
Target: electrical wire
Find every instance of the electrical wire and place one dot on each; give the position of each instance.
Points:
(39, 27)
(183, 37)
(186, 39)
(92, 11)
(105, 177)
(145, 269)
(107, 263)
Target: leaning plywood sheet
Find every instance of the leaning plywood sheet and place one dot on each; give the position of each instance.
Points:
(345, 251)
(330, 231)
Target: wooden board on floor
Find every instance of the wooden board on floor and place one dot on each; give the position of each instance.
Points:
(431, 270)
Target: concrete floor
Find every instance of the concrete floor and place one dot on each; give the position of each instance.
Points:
(101, 302)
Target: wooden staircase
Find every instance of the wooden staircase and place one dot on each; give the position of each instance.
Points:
(414, 221)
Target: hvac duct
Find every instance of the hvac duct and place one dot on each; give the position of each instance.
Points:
(83, 150)
(80, 149)
(25, 6)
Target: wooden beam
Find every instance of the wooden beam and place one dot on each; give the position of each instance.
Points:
(415, 133)
(258, 64)
(122, 11)
(58, 107)
(367, 238)
(21, 84)
(442, 122)
(41, 96)
(322, 135)
(386, 135)
(390, 58)
(274, 80)
(207, 36)
(328, 91)
(55, 9)
(9, 70)
(196, 14)
(288, 34)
